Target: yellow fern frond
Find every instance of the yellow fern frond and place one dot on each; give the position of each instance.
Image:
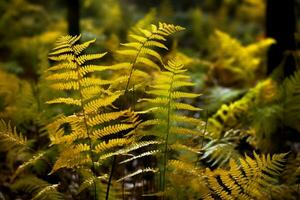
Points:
(94, 105)
(78, 48)
(105, 117)
(138, 172)
(184, 131)
(111, 129)
(254, 178)
(88, 81)
(28, 163)
(71, 85)
(176, 95)
(118, 142)
(88, 57)
(68, 101)
(132, 147)
(72, 157)
(9, 138)
(64, 65)
(70, 75)
(140, 51)
(144, 154)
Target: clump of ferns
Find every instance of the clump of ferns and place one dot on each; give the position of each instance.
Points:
(250, 178)
(140, 58)
(173, 130)
(96, 127)
(24, 179)
(259, 113)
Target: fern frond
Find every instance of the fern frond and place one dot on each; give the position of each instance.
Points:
(88, 81)
(166, 108)
(78, 48)
(118, 142)
(38, 188)
(9, 138)
(68, 101)
(71, 85)
(109, 130)
(178, 165)
(132, 147)
(94, 105)
(218, 152)
(254, 178)
(105, 117)
(144, 154)
(138, 172)
(63, 66)
(140, 51)
(184, 131)
(72, 157)
(89, 182)
(290, 93)
(70, 75)
(28, 163)
(88, 57)
(49, 192)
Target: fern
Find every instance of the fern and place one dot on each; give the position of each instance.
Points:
(218, 152)
(28, 163)
(252, 179)
(235, 64)
(9, 138)
(138, 172)
(232, 116)
(95, 127)
(141, 52)
(38, 188)
(290, 94)
(169, 124)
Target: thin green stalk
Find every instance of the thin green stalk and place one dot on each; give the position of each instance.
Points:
(167, 138)
(110, 176)
(87, 129)
(133, 64)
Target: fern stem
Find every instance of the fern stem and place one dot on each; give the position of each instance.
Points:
(134, 62)
(110, 176)
(87, 129)
(167, 138)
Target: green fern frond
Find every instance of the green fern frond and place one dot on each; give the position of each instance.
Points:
(89, 182)
(38, 188)
(218, 152)
(9, 138)
(167, 110)
(28, 163)
(290, 93)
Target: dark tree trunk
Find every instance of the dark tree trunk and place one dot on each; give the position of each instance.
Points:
(73, 15)
(281, 25)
